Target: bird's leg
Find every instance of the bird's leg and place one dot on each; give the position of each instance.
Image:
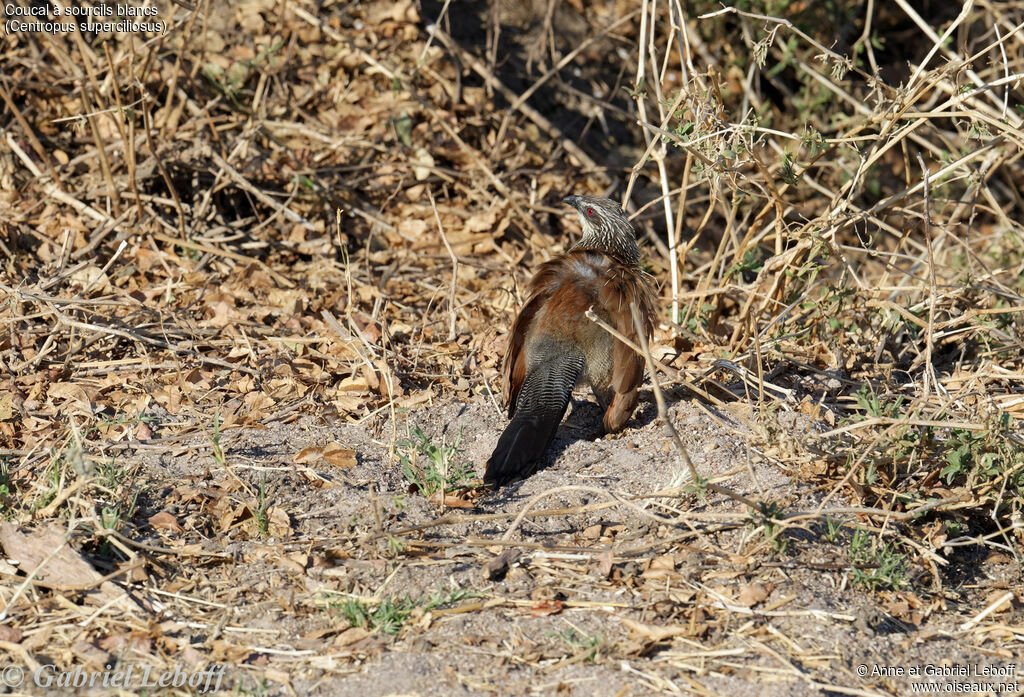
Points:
(604, 397)
(570, 420)
(616, 407)
(619, 410)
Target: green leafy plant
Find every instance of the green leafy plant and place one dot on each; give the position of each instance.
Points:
(433, 468)
(215, 449)
(832, 529)
(878, 565)
(874, 406)
(751, 263)
(985, 455)
(395, 545)
(580, 642)
(260, 515)
(7, 487)
(386, 617)
(788, 171)
(442, 597)
(771, 514)
(110, 475)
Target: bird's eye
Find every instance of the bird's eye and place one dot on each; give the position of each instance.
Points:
(590, 211)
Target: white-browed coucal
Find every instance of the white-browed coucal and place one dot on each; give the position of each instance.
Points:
(553, 346)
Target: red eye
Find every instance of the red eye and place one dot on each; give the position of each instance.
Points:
(590, 211)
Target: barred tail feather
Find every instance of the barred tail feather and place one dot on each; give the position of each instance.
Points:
(540, 407)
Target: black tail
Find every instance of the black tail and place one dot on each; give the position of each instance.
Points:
(542, 402)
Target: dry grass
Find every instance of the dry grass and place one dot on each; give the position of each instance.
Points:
(270, 213)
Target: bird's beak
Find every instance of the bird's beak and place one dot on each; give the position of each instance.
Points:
(571, 200)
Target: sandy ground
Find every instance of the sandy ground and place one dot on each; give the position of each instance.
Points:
(690, 597)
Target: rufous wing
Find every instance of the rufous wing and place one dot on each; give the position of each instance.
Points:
(624, 289)
(542, 286)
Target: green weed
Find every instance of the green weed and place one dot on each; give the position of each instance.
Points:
(579, 642)
(879, 565)
(432, 468)
(388, 616)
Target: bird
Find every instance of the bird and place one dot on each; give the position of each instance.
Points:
(553, 345)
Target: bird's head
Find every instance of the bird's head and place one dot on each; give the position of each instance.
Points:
(605, 227)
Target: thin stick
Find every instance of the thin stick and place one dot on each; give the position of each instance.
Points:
(656, 147)
(52, 188)
(97, 277)
(992, 607)
(659, 397)
(455, 270)
(543, 123)
(147, 123)
(32, 139)
(575, 487)
(247, 186)
(929, 368)
(670, 428)
(29, 578)
(568, 58)
(676, 375)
